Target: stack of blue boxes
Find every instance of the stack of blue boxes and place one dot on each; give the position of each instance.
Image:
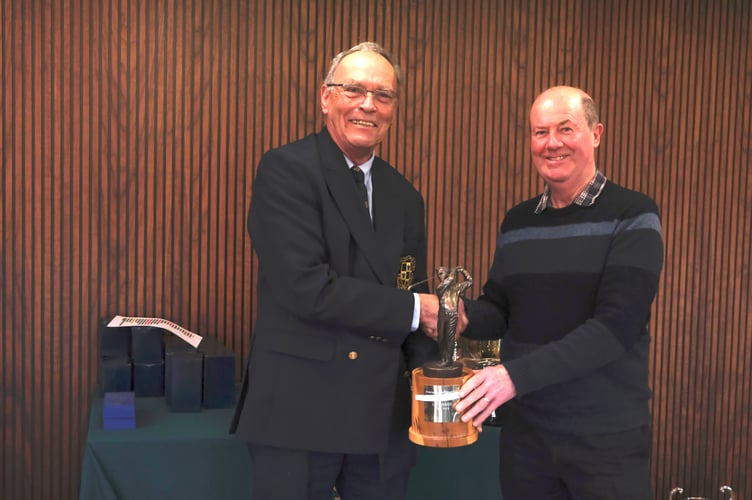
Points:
(148, 361)
(196, 378)
(114, 356)
(119, 411)
(152, 362)
(183, 374)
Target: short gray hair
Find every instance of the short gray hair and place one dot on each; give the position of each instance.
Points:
(590, 109)
(364, 47)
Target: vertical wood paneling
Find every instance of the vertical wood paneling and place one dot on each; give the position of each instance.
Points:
(131, 130)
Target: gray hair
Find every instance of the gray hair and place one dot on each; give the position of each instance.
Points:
(364, 47)
(590, 109)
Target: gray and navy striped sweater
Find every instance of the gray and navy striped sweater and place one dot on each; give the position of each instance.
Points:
(570, 292)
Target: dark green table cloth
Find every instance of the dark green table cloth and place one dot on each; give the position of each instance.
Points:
(191, 456)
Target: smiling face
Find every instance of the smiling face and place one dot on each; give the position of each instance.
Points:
(357, 125)
(562, 142)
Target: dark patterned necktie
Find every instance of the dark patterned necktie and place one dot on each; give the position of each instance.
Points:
(360, 178)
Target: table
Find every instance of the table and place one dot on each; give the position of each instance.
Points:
(191, 456)
(468, 472)
(168, 455)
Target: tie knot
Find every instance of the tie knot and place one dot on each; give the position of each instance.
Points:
(358, 174)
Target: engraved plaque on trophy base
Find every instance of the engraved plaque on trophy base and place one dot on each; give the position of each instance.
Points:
(435, 423)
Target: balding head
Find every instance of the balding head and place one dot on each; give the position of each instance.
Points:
(578, 97)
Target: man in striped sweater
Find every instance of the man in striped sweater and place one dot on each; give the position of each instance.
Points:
(570, 289)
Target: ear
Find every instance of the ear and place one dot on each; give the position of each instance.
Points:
(325, 96)
(597, 132)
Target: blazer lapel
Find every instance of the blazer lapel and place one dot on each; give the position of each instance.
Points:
(387, 218)
(340, 183)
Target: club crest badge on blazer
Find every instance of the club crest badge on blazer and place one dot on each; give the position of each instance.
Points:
(407, 269)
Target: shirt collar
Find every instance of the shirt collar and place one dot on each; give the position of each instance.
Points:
(365, 167)
(585, 199)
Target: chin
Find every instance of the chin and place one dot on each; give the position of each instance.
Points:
(369, 141)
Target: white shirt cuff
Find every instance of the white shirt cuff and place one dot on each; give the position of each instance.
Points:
(416, 313)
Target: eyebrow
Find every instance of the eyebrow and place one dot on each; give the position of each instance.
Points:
(563, 122)
(361, 84)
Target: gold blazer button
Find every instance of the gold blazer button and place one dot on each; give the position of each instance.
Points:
(352, 355)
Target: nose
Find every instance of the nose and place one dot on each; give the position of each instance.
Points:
(553, 140)
(368, 101)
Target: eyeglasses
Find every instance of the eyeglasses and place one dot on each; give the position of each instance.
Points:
(354, 91)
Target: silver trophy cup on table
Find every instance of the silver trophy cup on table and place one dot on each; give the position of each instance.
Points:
(676, 494)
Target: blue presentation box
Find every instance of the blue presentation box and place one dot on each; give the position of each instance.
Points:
(219, 374)
(173, 343)
(119, 411)
(183, 377)
(148, 379)
(119, 405)
(146, 344)
(114, 342)
(117, 424)
(115, 374)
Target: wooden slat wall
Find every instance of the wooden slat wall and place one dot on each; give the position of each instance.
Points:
(131, 129)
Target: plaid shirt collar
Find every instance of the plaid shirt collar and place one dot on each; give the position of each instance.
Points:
(585, 199)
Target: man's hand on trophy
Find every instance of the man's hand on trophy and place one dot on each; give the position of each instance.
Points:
(485, 391)
(429, 314)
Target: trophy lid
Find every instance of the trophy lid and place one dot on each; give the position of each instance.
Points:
(437, 369)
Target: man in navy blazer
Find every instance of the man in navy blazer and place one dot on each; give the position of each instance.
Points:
(325, 398)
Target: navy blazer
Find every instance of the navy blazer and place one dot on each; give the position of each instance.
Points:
(329, 363)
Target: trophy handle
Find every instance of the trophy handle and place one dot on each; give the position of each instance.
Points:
(727, 489)
(679, 491)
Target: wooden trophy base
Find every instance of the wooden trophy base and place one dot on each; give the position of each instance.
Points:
(435, 391)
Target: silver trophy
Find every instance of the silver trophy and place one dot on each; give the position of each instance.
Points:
(477, 354)
(436, 384)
